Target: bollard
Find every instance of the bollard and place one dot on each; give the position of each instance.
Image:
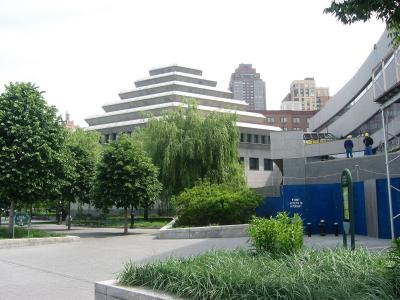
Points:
(308, 229)
(336, 228)
(321, 228)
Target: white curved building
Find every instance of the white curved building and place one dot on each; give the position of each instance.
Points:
(168, 88)
(354, 109)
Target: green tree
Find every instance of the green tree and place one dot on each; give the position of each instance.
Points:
(126, 177)
(31, 142)
(82, 149)
(188, 146)
(350, 11)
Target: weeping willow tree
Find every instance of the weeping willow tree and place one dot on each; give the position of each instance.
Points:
(188, 146)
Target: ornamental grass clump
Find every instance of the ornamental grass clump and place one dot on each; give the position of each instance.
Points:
(277, 235)
(308, 274)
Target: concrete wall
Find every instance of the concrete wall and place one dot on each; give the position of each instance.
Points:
(298, 171)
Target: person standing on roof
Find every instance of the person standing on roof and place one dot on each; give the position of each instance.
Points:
(348, 145)
(368, 142)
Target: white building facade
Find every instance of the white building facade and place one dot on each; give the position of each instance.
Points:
(170, 87)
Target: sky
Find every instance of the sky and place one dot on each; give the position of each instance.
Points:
(83, 53)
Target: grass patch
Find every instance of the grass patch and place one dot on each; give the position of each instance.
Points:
(118, 222)
(310, 274)
(21, 232)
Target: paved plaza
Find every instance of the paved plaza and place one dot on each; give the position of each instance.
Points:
(68, 271)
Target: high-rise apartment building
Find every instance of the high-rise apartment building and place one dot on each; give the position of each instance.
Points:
(305, 95)
(247, 85)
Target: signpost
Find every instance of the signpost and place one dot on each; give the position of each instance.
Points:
(22, 219)
(348, 208)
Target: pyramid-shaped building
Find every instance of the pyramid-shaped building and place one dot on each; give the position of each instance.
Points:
(169, 87)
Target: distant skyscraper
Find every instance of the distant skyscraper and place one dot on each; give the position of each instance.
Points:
(304, 95)
(247, 85)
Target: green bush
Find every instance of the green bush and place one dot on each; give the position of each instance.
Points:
(221, 204)
(277, 235)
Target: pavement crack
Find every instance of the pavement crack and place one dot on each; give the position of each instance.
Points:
(46, 271)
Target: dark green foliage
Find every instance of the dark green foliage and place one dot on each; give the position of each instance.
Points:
(277, 235)
(126, 177)
(31, 141)
(310, 274)
(350, 11)
(188, 146)
(83, 151)
(222, 204)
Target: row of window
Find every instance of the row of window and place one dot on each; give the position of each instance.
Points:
(113, 136)
(255, 138)
(254, 163)
(295, 120)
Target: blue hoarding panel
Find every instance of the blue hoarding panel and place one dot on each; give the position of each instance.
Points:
(316, 202)
(383, 207)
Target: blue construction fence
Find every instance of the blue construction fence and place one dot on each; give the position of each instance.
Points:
(315, 202)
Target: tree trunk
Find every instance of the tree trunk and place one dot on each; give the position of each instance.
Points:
(69, 216)
(30, 210)
(11, 220)
(126, 220)
(146, 213)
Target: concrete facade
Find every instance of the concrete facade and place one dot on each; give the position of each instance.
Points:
(170, 87)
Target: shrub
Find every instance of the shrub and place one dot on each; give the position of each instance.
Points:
(277, 235)
(221, 204)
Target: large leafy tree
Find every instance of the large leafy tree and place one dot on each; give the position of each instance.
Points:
(350, 11)
(82, 149)
(126, 177)
(187, 146)
(31, 143)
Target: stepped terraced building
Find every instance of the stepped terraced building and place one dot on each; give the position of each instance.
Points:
(166, 89)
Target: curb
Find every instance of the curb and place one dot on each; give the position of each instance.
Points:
(12, 243)
(105, 290)
(224, 231)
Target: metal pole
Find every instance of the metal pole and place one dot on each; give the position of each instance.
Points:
(389, 189)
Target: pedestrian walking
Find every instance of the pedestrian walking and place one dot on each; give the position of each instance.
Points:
(348, 145)
(368, 142)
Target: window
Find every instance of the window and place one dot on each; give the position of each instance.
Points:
(296, 120)
(263, 139)
(256, 138)
(268, 140)
(129, 133)
(270, 119)
(282, 119)
(268, 164)
(106, 138)
(249, 138)
(241, 160)
(242, 137)
(114, 136)
(254, 164)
